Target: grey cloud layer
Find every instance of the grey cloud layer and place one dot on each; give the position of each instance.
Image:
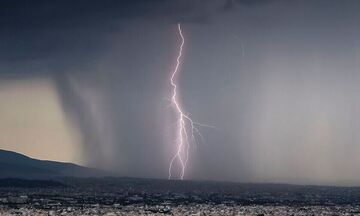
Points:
(278, 79)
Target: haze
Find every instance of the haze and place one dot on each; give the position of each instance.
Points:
(277, 78)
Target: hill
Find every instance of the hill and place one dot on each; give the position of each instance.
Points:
(15, 165)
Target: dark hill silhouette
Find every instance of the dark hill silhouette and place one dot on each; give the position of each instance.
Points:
(15, 165)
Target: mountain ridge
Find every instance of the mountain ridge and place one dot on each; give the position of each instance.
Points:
(16, 165)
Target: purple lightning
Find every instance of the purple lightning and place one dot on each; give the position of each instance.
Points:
(184, 123)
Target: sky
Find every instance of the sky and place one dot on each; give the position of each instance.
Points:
(278, 80)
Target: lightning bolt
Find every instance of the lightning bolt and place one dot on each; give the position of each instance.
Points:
(186, 126)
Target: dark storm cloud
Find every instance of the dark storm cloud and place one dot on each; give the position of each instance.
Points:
(64, 39)
(52, 29)
(230, 4)
(37, 14)
(278, 80)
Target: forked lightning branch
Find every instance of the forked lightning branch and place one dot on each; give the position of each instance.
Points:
(185, 126)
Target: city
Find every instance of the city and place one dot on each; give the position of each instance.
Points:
(128, 196)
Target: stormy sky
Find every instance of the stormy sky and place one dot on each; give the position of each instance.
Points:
(88, 82)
